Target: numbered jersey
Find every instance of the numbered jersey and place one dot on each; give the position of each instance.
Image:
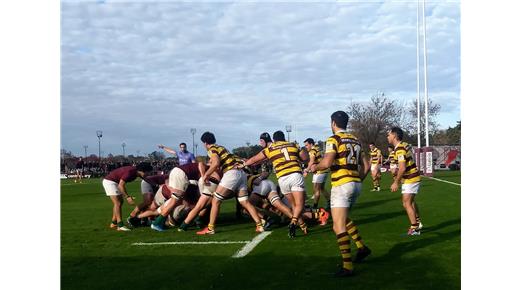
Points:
(403, 153)
(348, 152)
(284, 156)
(227, 160)
(316, 152)
(375, 155)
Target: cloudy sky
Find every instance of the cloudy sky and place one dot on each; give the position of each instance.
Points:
(147, 72)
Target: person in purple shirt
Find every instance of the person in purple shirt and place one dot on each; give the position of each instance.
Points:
(115, 188)
(185, 157)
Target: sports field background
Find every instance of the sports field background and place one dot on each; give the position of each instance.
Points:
(93, 256)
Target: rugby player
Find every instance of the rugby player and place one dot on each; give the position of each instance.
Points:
(286, 161)
(409, 175)
(178, 182)
(348, 165)
(115, 188)
(375, 168)
(149, 186)
(233, 183)
(318, 178)
(392, 161)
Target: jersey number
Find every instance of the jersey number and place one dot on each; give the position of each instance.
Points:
(353, 153)
(285, 153)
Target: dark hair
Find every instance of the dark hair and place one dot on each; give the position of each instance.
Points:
(208, 138)
(372, 143)
(144, 167)
(182, 144)
(391, 147)
(398, 132)
(309, 140)
(278, 136)
(340, 118)
(266, 137)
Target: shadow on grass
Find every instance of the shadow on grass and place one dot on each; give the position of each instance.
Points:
(261, 271)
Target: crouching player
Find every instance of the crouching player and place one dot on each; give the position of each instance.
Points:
(149, 186)
(115, 188)
(178, 182)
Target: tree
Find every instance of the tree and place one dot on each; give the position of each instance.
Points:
(370, 121)
(247, 151)
(433, 126)
(156, 156)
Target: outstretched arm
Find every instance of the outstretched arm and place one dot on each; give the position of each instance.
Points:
(167, 149)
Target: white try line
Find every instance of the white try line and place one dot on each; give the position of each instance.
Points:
(190, 243)
(442, 180)
(251, 245)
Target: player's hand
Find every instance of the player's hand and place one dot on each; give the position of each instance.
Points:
(394, 187)
(305, 172)
(130, 200)
(239, 166)
(313, 168)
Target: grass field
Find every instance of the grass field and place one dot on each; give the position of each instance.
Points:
(96, 257)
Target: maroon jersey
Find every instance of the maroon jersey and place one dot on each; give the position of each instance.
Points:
(191, 170)
(126, 173)
(192, 195)
(156, 180)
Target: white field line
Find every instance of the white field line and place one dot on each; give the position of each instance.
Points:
(190, 243)
(442, 180)
(251, 245)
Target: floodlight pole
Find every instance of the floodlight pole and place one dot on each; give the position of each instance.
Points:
(123, 145)
(193, 131)
(85, 147)
(418, 84)
(426, 131)
(288, 128)
(99, 134)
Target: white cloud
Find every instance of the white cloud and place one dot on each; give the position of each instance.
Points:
(149, 72)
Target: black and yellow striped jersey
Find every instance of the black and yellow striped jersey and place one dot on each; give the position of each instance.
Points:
(347, 158)
(403, 153)
(375, 156)
(392, 158)
(250, 179)
(284, 156)
(316, 152)
(227, 160)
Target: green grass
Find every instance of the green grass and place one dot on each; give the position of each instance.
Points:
(95, 257)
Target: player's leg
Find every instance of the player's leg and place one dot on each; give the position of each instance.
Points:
(199, 206)
(165, 210)
(408, 200)
(317, 194)
(339, 211)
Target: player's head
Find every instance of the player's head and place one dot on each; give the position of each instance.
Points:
(265, 139)
(372, 145)
(278, 136)
(208, 139)
(395, 135)
(182, 146)
(338, 121)
(309, 142)
(144, 169)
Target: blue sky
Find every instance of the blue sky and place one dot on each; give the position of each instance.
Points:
(145, 73)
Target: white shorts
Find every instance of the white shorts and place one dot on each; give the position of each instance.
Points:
(374, 167)
(345, 195)
(159, 198)
(180, 212)
(206, 189)
(111, 188)
(291, 182)
(319, 178)
(146, 187)
(234, 180)
(393, 166)
(264, 188)
(178, 179)
(410, 188)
